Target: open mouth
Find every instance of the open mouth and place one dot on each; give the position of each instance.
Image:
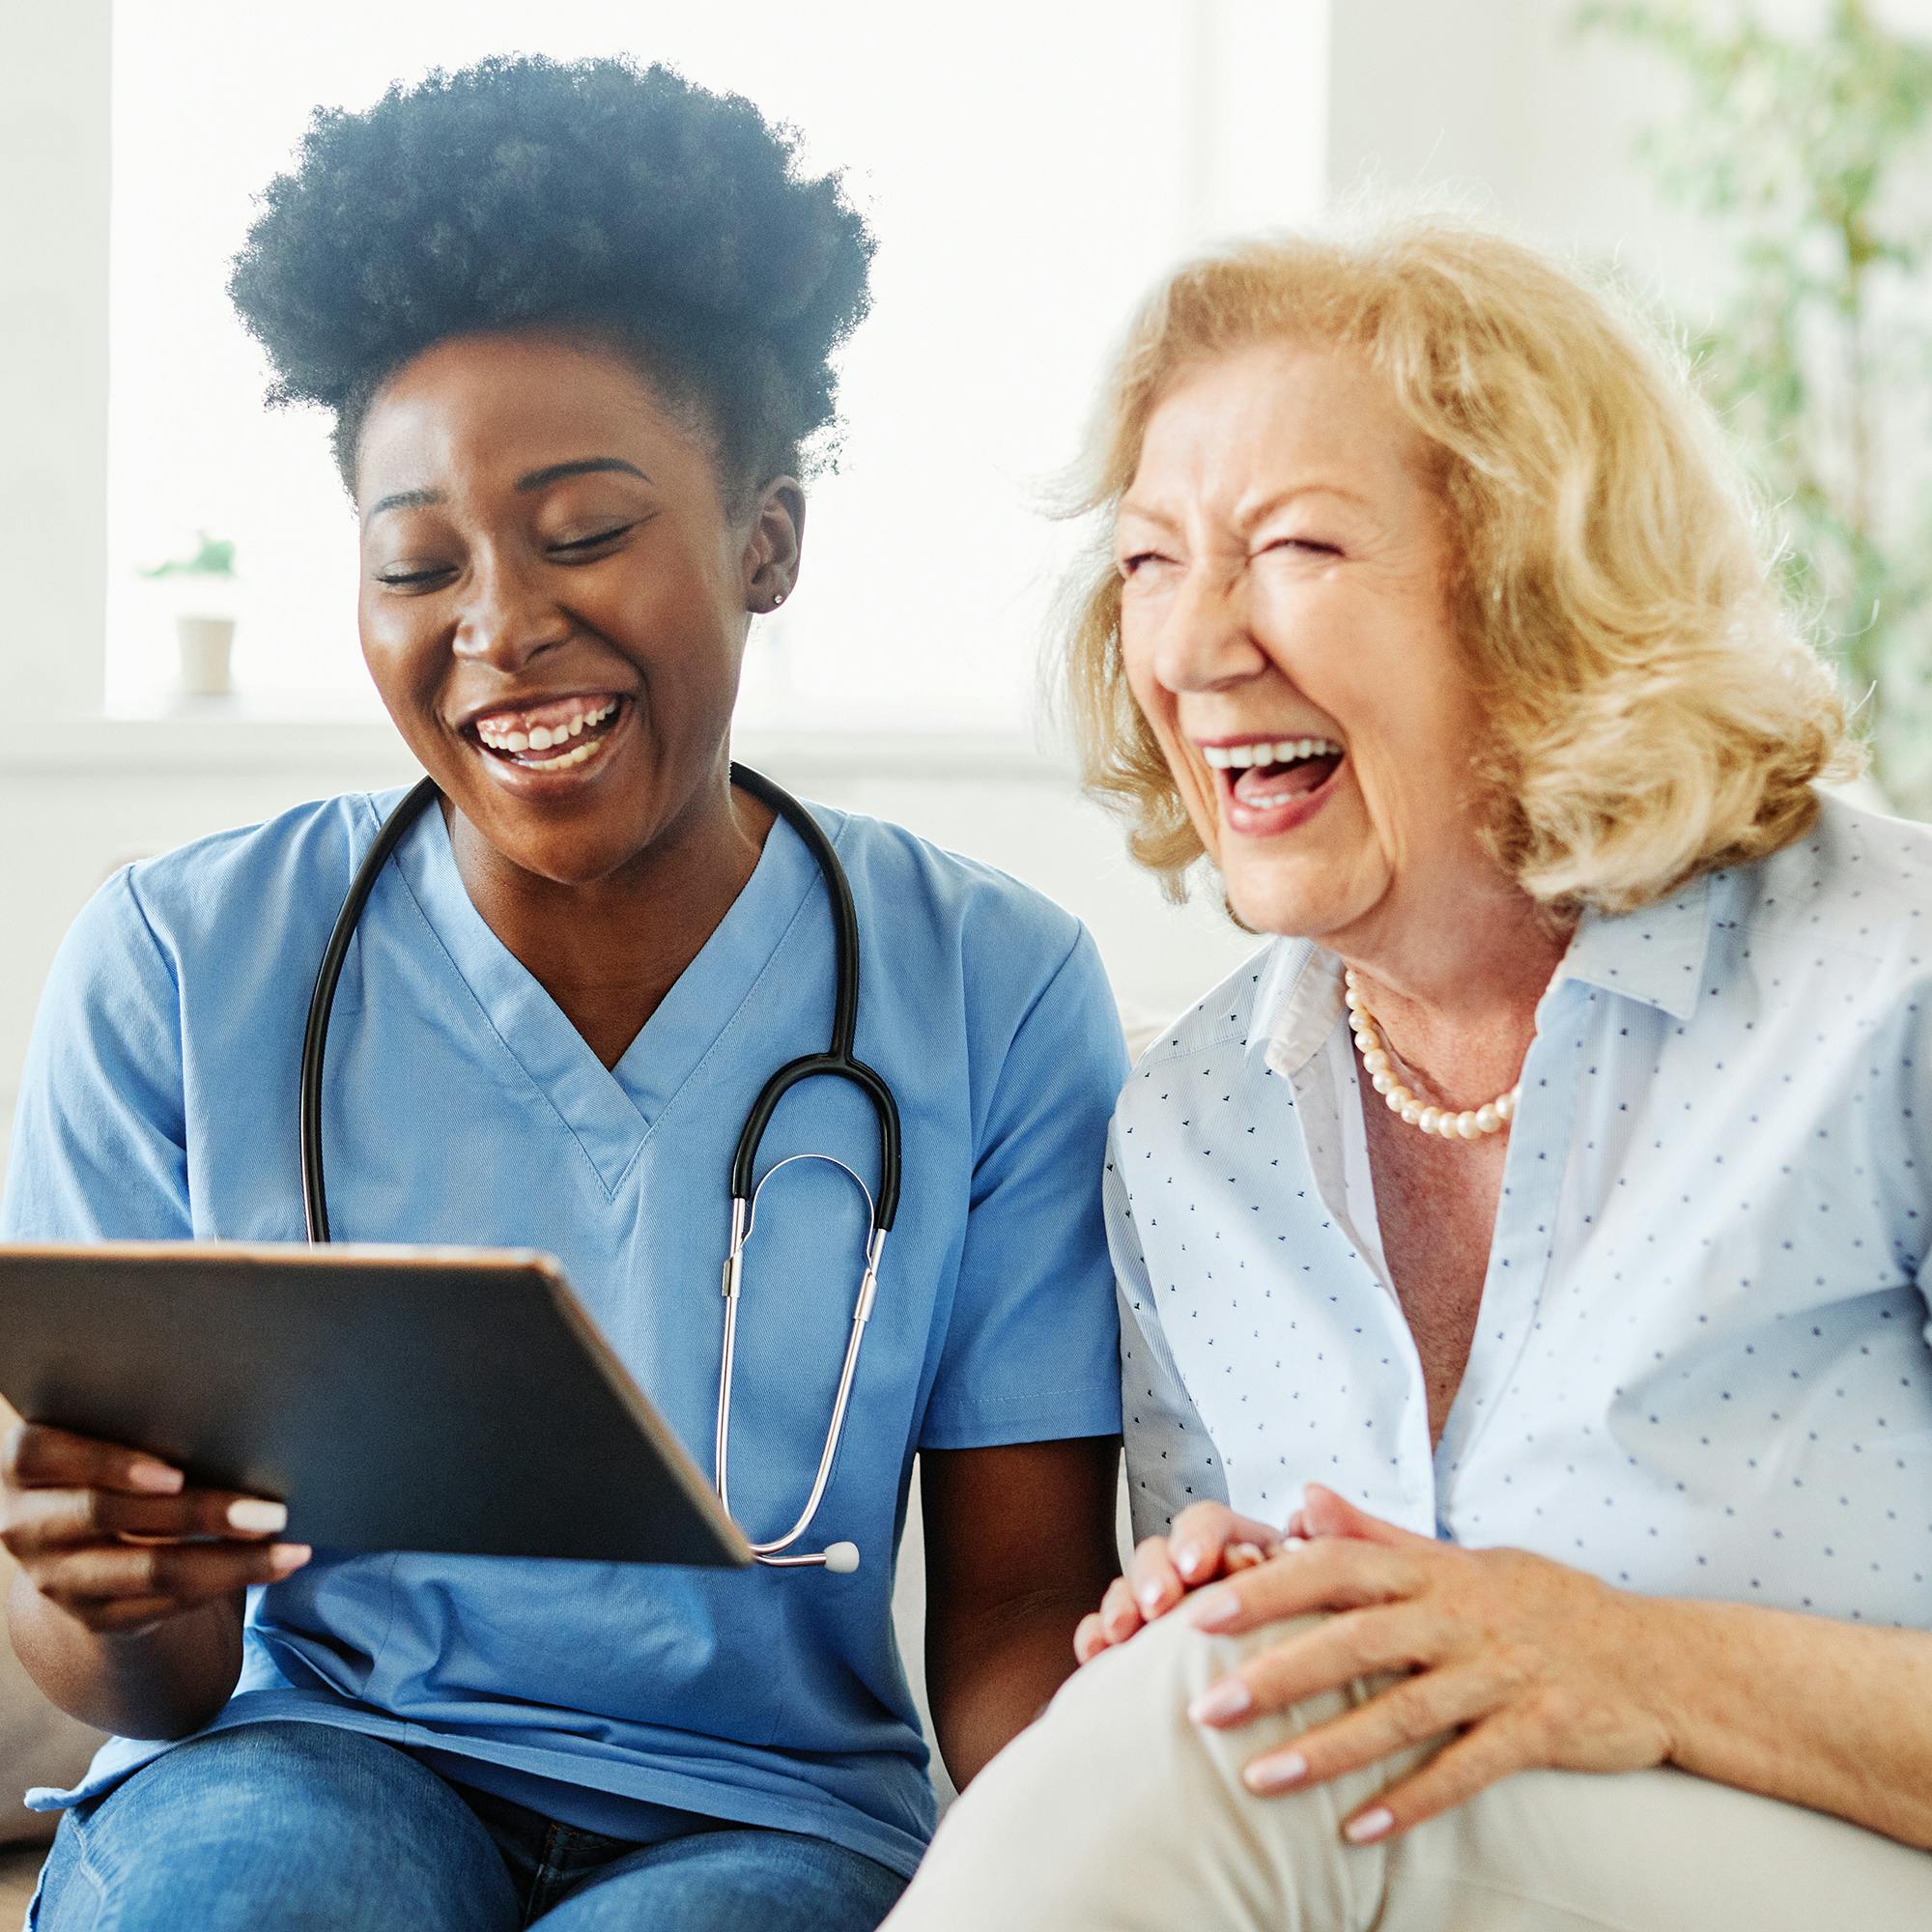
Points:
(1265, 773)
(554, 737)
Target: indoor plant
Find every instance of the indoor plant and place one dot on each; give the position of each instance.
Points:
(1808, 151)
(204, 631)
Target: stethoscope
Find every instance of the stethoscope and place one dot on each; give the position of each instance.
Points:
(836, 1061)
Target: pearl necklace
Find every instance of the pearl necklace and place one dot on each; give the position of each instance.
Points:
(1452, 1126)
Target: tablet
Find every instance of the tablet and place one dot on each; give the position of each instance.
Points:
(433, 1399)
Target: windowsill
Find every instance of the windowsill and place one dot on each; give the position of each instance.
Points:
(230, 734)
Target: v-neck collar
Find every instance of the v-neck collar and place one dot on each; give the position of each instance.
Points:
(610, 1111)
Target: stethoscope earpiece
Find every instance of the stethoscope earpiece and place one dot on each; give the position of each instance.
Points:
(841, 1558)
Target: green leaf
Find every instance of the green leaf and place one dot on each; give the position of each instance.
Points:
(1806, 151)
(213, 557)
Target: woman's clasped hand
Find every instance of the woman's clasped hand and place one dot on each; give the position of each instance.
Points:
(1537, 1665)
(1209, 1540)
(121, 1541)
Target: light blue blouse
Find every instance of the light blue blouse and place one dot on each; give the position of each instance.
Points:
(1701, 1366)
(160, 1102)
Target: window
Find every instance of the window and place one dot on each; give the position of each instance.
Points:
(1028, 169)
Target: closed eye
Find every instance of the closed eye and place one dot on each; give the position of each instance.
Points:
(574, 550)
(576, 546)
(1313, 546)
(1130, 564)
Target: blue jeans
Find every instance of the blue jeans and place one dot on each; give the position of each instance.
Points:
(305, 1827)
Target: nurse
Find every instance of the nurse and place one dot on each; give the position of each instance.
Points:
(573, 324)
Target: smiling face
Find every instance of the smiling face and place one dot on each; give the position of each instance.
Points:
(554, 599)
(1285, 628)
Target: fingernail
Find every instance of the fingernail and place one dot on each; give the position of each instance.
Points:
(1368, 1826)
(287, 1557)
(1214, 1609)
(1148, 1594)
(256, 1514)
(156, 1477)
(1219, 1702)
(1275, 1774)
(1188, 1557)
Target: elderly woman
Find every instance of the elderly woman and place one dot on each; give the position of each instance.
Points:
(1536, 1228)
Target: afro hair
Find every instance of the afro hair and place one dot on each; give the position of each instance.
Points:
(590, 196)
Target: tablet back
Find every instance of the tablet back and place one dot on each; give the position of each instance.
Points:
(394, 1398)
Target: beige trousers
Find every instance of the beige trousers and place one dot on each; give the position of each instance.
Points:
(1114, 1811)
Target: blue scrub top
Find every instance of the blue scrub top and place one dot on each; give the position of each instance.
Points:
(461, 1106)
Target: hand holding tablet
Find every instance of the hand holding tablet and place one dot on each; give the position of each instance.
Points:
(388, 1398)
(121, 1541)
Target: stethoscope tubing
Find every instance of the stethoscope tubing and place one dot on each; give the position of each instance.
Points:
(838, 1062)
(321, 1000)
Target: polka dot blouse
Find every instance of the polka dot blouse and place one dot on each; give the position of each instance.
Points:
(1701, 1366)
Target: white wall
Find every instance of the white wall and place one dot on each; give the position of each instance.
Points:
(1497, 104)
(53, 352)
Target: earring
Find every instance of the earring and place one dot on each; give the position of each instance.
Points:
(778, 599)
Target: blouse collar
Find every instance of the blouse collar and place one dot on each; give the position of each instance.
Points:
(1654, 954)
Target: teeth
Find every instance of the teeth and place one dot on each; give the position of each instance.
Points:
(576, 755)
(541, 738)
(1260, 751)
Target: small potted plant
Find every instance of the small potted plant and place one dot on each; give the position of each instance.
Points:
(204, 632)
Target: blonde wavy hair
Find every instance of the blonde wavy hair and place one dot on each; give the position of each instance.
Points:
(1657, 710)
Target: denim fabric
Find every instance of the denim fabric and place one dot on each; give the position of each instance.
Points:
(311, 1828)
